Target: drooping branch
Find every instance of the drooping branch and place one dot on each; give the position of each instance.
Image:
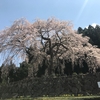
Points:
(47, 39)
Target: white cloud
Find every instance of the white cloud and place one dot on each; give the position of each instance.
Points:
(94, 24)
(86, 27)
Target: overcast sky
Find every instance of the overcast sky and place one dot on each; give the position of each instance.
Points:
(80, 12)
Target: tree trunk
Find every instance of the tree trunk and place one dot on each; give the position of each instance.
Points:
(51, 67)
(30, 71)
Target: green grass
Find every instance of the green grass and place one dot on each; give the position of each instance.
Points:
(57, 98)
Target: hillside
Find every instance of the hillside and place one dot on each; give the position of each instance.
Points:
(37, 87)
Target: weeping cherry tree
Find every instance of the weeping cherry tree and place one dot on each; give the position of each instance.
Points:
(51, 40)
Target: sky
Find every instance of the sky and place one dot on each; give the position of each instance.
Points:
(81, 12)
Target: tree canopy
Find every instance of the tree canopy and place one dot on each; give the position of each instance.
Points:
(49, 45)
(93, 33)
